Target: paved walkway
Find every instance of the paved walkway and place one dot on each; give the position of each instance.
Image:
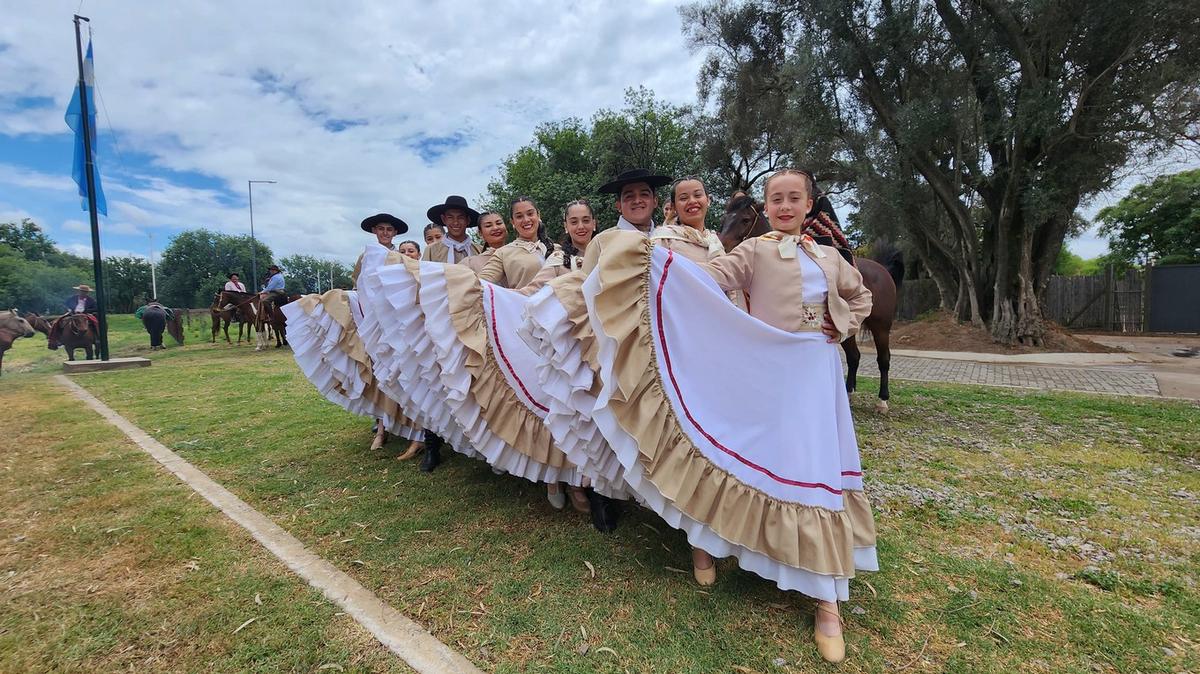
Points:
(1136, 380)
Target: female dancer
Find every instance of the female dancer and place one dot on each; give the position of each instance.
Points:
(800, 287)
(579, 225)
(783, 494)
(410, 249)
(433, 233)
(685, 234)
(494, 233)
(514, 266)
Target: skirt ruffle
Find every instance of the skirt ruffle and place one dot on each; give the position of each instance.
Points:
(331, 356)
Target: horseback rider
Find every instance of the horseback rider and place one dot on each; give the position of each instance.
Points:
(81, 302)
(272, 294)
(234, 284)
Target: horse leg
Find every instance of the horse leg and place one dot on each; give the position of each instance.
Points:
(883, 356)
(850, 346)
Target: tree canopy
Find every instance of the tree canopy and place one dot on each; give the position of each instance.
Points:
(1158, 222)
(301, 273)
(972, 129)
(568, 160)
(197, 262)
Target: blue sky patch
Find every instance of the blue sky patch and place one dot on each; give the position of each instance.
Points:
(432, 148)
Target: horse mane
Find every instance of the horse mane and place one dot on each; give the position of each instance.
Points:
(891, 257)
(744, 201)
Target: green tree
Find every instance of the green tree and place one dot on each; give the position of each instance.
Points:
(568, 160)
(196, 263)
(126, 283)
(1158, 222)
(28, 239)
(1006, 114)
(301, 273)
(34, 274)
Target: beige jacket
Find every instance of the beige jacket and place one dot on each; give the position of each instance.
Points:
(773, 284)
(476, 262)
(440, 252)
(515, 265)
(552, 269)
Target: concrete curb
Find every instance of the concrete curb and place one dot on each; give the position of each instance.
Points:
(417, 647)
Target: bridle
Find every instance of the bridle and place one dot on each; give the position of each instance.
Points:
(753, 223)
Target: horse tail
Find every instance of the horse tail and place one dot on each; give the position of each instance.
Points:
(892, 259)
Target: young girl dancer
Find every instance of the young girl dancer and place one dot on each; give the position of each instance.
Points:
(756, 458)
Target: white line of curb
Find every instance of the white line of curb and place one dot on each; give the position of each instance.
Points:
(417, 647)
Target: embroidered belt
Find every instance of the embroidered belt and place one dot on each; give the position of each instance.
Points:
(812, 315)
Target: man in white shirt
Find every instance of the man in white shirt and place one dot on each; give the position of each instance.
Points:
(234, 284)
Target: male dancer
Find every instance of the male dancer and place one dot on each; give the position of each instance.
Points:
(636, 201)
(455, 215)
(456, 246)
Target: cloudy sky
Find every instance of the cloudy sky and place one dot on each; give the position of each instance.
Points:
(353, 107)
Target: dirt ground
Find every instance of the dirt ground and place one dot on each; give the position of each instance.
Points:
(940, 332)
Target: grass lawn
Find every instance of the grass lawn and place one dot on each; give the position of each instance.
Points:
(1019, 531)
(108, 563)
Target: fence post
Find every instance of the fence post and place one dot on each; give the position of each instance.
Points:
(1110, 295)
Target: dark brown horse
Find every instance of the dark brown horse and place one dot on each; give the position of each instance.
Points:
(12, 328)
(745, 219)
(74, 331)
(221, 318)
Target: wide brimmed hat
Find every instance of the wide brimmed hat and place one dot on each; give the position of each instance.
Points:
(275, 267)
(231, 274)
(384, 219)
(637, 175)
(83, 287)
(453, 201)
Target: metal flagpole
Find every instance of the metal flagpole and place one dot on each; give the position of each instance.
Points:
(88, 172)
(253, 244)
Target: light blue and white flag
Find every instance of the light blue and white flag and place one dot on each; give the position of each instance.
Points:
(75, 121)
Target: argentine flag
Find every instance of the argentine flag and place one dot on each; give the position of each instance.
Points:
(75, 121)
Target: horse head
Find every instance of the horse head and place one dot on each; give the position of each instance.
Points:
(743, 219)
(38, 322)
(12, 323)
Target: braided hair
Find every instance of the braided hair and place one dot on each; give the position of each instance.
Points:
(568, 245)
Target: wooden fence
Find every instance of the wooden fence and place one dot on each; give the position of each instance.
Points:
(1109, 301)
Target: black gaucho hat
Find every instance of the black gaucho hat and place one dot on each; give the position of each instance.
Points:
(231, 274)
(637, 175)
(453, 201)
(368, 225)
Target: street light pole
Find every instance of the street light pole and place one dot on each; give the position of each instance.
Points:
(253, 243)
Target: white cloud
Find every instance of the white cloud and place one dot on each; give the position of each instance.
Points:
(85, 250)
(342, 104)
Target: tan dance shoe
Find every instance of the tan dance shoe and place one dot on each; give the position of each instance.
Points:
(579, 499)
(705, 577)
(379, 441)
(413, 449)
(831, 648)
